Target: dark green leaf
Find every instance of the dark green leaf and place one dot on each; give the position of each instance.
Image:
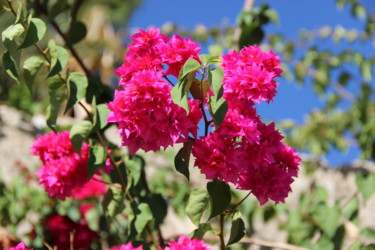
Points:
(215, 79)
(158, 207)
(78, 133)
(365, 184)
(196, 205)
(59, 58)
(31, 67)
(218, 110)
(181, 161)
(219, 193)
(143, 217)
(202, 229)
(251, 35)
(237, 231)
(77, 85)
(35, 32)
(97, 158)
(77, 32)
(10, 67)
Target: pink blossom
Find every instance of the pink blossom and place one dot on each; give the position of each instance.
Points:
(146, 115)
(92, 189)
(143, 54)
(249, 74)
(20, 246)
(60, 228)
(176, 52)
(128, 246)
(184, 242)
(63, 169)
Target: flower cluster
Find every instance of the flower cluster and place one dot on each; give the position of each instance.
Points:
(63, 169)
(183, 242)
(20, 246)
(243, 150)
(64, 172)
(147, 117)
(61, 227)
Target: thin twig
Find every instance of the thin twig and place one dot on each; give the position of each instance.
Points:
(235, 206)
(221, 233)
(65, 38)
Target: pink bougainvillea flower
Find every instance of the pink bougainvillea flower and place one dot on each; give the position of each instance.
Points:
(63, 169)
(184, 242)
(61, 227)
(143, 54)
(92, 189)
(128, 246)
(146, 115)
(249, 74)
(20, 246)
(176, 52)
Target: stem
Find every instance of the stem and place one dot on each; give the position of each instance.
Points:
(221, 233)
(65, 38)
(235, 206)
(166, 78)
(107, 183)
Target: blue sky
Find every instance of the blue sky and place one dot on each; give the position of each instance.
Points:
(292, 101)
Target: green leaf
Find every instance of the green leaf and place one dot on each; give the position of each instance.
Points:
(113, 202)
(56, 98)
(365, 184)
(35, 32)
(10, 67)
(77, 85)
(218, 110)
(11, 34)
(196, 205)
(202, 229)
(357, 245)
(59, 58)
(77, 32)
(135, 165)
(237, 231)
(78, 133)
(219, 193)
(215, 79)
(251, 35)
(100, 117)
(368, 232)
(190, 66)
(327, 218)
(97, 158)
(272, 15)
(206, 59)
(143, 217)
(181, 161)
(180, 91)
(366, 69)
(31, 67)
